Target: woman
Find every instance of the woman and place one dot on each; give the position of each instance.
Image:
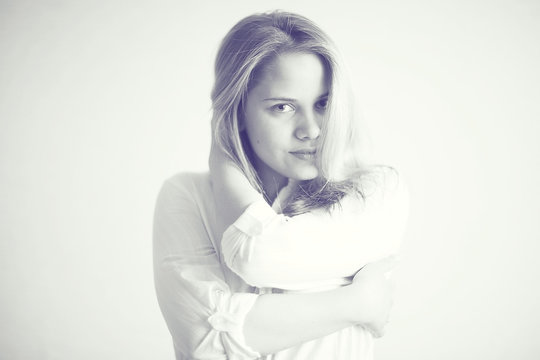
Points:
(258, 256)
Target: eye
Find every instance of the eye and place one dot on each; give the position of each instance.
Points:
(322, 104)
(283, 108)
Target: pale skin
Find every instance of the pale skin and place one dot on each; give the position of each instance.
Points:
(283, 117)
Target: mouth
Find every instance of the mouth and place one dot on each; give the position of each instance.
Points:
(305, 154)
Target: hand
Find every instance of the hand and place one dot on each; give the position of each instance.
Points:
(225, 175)
(232, 191)
(375, 290)
(218, 161)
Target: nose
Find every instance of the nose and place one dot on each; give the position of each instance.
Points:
(308, 127)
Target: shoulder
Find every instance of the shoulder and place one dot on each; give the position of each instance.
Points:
(186, 186)
(187, 182)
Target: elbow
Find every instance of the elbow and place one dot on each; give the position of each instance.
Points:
(192, 337)
(252, 263)
(255, 270)
(239, 259)
(196, 349)
(186, 349)
(250, 272)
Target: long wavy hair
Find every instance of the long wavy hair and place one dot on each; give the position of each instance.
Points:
(252, 44)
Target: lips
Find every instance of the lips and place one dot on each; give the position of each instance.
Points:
(305, 154)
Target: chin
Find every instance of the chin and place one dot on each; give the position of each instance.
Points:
(305, 174)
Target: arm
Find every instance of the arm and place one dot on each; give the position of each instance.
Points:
(264, 248)
(204, 318)
(208, 321)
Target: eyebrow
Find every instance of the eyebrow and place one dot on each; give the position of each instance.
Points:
(291, 99)
(280, 99)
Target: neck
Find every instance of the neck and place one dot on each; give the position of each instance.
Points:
(272, 185)
(271, 181)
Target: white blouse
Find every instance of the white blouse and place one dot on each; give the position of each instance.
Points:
(207, 283)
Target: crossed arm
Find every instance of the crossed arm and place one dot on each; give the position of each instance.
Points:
(207, 320)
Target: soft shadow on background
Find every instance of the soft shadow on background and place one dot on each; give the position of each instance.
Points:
(100, 101)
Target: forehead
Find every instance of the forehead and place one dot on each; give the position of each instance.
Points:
(295, 73)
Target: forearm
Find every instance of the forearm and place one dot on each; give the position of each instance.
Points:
(231, 206)
(279, 321)
(265, 249)
(232, 191)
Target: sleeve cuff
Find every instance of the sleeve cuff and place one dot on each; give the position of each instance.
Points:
(255, 218)
(229, 321)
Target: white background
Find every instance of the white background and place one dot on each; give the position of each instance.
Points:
(100, 101)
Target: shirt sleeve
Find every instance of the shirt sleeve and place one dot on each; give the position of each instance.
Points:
(272, 250)
(204, 317)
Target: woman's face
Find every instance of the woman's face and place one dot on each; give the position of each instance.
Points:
(283, 116)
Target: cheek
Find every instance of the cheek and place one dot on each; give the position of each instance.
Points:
(263, 138)
(263, 145)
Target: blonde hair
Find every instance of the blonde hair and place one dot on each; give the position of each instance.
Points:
(244, 52)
